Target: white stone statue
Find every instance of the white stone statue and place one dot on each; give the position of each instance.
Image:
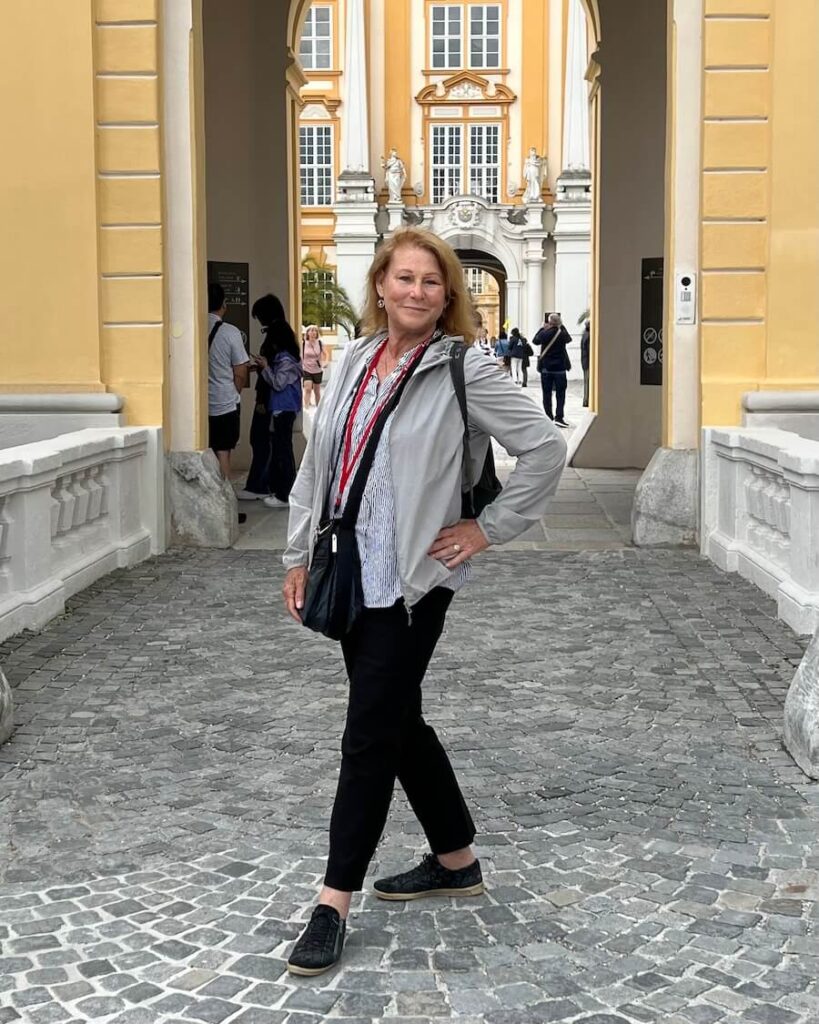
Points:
(395, 174)
(532, 173)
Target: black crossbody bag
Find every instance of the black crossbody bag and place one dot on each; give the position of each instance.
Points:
(334, 596)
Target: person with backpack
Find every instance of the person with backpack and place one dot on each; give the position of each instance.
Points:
(553, 363)
(228, 373)
(279, 393)
(517, 353)
(313, 361)
(502, 352)
(394, 499)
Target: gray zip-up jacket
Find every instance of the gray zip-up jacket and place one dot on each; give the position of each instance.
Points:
(426, 455)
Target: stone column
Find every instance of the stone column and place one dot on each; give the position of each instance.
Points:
(572, 232)
(355, 209)
(534, 260)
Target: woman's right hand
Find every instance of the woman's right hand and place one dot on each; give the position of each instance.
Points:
(295, 584)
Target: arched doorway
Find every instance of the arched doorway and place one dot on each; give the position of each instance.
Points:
(488, 287)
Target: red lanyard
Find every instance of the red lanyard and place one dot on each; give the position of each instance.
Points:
(352, 456)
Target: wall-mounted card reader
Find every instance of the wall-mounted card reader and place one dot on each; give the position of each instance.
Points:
(685, 297)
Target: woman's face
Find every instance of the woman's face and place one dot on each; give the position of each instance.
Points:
(312, 334)
(414, 292)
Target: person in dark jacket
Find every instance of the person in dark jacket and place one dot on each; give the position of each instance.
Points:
(517, 352)
(553, 363)
(527, 357)
(585, 345)
(278, 402)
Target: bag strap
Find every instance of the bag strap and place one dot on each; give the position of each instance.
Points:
(213, 331)
(456, 369)
(356, 492)
(555, 336)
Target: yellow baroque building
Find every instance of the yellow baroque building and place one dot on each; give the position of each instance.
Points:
(150, 142)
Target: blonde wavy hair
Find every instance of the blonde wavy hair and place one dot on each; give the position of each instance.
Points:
(458, 317)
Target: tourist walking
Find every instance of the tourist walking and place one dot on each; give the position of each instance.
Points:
(502, 352)
(517, 353)
(313, 361)
(553, 363)
(379, 506)
(527, 360)
(585, 349)
(279, 366)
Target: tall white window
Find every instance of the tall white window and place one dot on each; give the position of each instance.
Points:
(447, 36)
(475, 280)
(316, 164)
(316, 46)
(484, 161)
(484, 36)
(446, 161)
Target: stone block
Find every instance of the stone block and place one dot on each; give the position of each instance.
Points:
(6, 709)
(665, 502)
(203, 507)
(801, 735)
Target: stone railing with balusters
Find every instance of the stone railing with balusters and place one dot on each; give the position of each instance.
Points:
(72, 509)
(760, 514)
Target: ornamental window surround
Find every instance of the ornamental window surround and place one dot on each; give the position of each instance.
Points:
(316, 44)
(316, 164)
(451, 174)
(454, 37)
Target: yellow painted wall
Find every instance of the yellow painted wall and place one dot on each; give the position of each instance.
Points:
(792, 358)
(760, 204)
(133, 343)
(49, 338)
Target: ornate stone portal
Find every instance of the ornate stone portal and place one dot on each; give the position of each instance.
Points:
(802, 713)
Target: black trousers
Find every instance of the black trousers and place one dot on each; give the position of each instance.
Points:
(554, 380)
(386, 738)
(258, 475)
(282, 459)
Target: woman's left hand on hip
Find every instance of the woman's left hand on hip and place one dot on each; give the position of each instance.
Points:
(455, 544)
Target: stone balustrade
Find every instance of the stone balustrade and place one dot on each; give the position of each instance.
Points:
(760, 514)
(72, 509)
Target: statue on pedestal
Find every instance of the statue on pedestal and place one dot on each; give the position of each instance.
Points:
(395, 175)
(533, 170)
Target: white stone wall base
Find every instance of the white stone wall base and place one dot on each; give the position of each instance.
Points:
(801, 727)
(73, 509)
(666, 500)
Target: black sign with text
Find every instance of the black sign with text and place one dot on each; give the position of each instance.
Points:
(235, 279)
(651, 321)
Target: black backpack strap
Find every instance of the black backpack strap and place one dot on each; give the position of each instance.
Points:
(456, 369)
(213, 331)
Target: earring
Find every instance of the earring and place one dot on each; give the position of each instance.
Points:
(380, 303)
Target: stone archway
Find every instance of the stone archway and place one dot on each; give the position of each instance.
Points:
(492, 266)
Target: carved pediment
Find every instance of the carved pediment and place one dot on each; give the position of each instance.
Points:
(466, 86)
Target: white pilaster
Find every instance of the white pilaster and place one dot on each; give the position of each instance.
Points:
(534, 260)
(355, 234)
(355, 140)
(572, 236)
(576, 94)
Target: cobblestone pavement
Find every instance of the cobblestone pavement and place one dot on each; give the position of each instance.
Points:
(650, 851)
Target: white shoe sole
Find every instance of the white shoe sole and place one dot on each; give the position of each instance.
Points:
(310, 972)
(471, 890)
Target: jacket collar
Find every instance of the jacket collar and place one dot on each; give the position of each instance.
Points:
(439, 351)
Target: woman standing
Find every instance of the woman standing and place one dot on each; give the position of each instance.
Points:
(313, 361)
(415, 550)
(279, 369)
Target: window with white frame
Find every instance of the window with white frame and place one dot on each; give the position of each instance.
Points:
(446, 161)
(447, 36)
(316, 164)
(484, 161)
(316, 45)
(474, 280)
(484, 36)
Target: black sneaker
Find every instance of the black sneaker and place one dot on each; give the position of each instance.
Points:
(431, 878)
(561, 423)
(320, 944)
